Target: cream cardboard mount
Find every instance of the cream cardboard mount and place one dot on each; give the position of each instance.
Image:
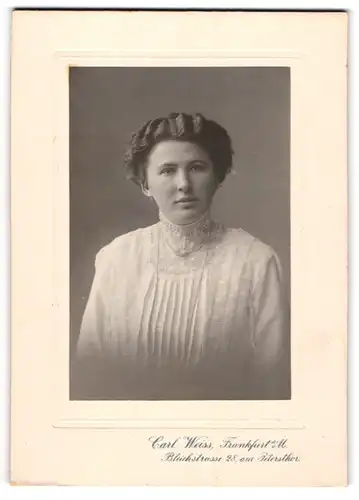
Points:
(299, 442)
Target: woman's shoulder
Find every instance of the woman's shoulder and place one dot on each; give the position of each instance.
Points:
(257, 257)
(255, 249)
(125, 245)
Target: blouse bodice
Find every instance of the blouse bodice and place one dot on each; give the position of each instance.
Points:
(199, 315)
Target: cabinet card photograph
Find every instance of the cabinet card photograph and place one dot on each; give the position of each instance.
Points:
(179, 248)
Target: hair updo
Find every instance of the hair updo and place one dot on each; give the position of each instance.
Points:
(195, 128)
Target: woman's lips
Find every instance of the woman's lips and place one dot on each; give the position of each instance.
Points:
(186, 200)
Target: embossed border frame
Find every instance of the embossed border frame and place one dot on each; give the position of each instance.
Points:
(73, 413)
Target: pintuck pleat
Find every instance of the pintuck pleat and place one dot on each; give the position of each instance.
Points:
(167, 326)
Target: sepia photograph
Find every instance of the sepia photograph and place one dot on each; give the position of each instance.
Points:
(180, 233)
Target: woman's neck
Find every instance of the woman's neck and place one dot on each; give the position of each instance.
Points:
(183, 239)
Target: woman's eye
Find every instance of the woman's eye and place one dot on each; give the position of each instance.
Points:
(167, 171)
(196, 167)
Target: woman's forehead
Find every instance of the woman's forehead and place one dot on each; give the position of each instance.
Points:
(172, 151)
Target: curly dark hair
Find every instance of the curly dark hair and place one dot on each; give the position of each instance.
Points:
(208, 134)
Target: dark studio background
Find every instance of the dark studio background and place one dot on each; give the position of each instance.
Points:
(108, 104)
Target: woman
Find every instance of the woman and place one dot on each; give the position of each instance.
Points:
(186, 308)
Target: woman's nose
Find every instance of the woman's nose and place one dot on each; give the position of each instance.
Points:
(183, 182)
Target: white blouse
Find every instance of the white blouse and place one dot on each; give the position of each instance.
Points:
(184, 313)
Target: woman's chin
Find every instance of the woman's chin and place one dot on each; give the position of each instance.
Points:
(186, 216)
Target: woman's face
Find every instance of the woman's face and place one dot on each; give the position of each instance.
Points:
(181, 179)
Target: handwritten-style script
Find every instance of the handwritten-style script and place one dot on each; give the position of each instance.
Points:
(202, 448)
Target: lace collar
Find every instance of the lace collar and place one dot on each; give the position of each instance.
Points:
(188, 238)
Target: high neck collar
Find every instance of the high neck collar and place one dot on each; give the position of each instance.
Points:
(200, 227)
(186, 238)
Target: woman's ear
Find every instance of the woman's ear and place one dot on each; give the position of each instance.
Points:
(145, 190)
(143, 182)
(217, 185)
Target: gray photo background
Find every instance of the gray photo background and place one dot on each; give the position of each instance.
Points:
(108, 104)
